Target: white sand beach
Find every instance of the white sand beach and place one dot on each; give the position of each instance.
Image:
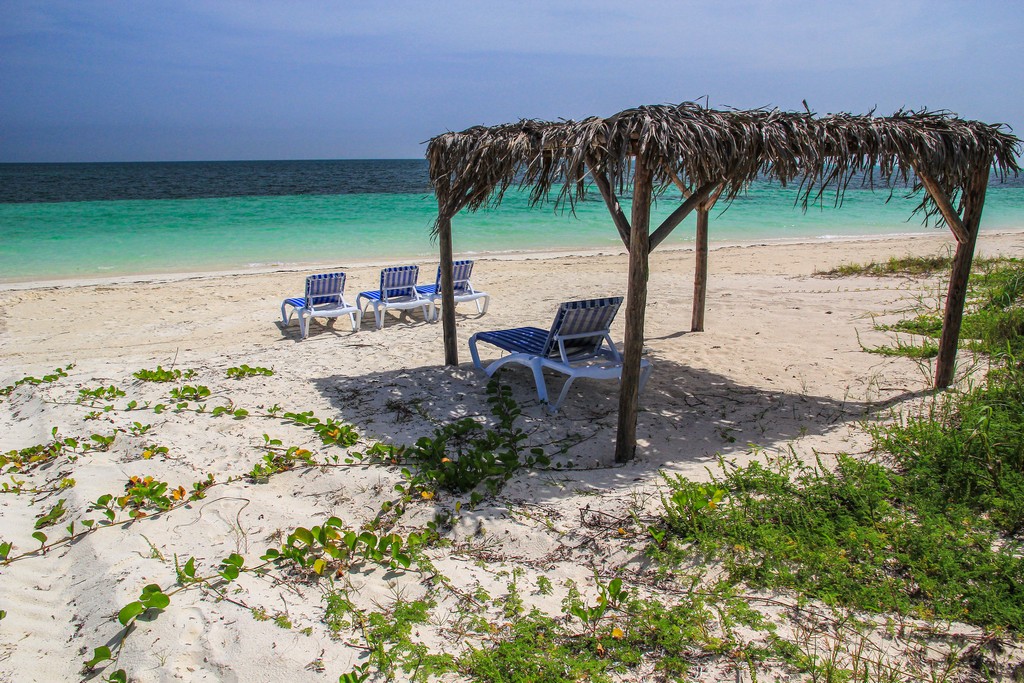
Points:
(780, 366)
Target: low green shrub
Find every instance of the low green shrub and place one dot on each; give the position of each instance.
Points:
(856, 536)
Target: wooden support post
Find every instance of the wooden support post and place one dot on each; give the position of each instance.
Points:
(945, 206)
(451, 339)
(700, 276)
(636, 305)
(611, 201)
(692, 202)
(956, 297)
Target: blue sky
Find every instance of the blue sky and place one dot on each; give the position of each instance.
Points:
(85, 80)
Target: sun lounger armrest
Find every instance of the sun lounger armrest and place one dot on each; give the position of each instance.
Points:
(562, 338)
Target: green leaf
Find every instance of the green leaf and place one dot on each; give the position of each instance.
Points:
(5, 550)
(129, 612)
(100, 654)
(153, 597)
(303, 535)
(189, 569)
(55, 513)
(40, 536)
(118, 676)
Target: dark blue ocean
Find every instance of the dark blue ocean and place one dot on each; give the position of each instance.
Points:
(99, 219)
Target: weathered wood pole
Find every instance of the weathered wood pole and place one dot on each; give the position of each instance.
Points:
(451, 339)
(956, 297)
(700, 276)
(636, 305)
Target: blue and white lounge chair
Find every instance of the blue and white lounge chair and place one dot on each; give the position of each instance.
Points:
(397, 291)
(578, 345)
(325, 298)
(461, 270)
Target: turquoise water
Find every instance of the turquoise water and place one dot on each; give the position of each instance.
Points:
(50, 240)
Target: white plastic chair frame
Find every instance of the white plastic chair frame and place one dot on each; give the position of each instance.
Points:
(397, 291)
(324, 298)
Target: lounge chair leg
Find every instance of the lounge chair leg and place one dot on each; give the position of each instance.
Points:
(553, 407)
(538, 378)
(474, 353)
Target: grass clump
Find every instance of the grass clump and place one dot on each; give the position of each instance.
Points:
(535, 648)
(993, 320)
(926, 349)
(856, 536)
(967, 452)
(896, 265)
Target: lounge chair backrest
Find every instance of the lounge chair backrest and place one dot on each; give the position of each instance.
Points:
(575, 319)
(461, 271)
(398, 281)
(325, 288)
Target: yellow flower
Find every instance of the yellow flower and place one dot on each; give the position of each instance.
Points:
(427, 495)
(147, 454)
(617, 633)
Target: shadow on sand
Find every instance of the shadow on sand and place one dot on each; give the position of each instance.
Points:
(688, 416)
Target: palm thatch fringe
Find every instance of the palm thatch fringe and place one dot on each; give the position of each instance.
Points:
(698, 145)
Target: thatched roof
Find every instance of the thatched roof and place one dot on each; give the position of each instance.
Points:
(697, 145)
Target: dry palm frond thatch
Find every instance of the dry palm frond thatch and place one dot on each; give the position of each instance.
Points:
(699, 145)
